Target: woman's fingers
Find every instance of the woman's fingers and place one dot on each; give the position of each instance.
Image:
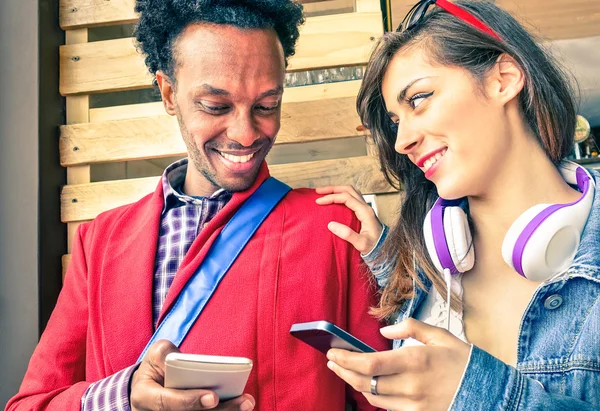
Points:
(340, 189)
(425, 333)
(360, 242)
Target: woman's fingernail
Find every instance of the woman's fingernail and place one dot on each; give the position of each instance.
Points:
(330, 365)
(208, 400)
(247, 406)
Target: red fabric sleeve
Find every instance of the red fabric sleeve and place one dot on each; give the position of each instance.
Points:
(55, 378)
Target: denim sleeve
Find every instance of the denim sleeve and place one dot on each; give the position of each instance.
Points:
(381, 270)
(490, 384)
(111, 393)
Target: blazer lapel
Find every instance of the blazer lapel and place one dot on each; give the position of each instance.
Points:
(206, 237)
(127, 281)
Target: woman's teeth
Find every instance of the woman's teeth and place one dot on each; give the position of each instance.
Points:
(237, 159)
(431, 161)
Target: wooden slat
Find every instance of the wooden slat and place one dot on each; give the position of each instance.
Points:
(159, 136)
(91, 13)
(290, 95)
(551, 19)
(557, 19)
(86, 201)
(77, 113)
(113, 65)
(66, 260)
(388, 207)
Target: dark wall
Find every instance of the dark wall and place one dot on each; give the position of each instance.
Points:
(31, 239)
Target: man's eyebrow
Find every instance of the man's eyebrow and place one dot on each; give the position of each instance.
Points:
(402, 94)
(208, 89)
(277, 91)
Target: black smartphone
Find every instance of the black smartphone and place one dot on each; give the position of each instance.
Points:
(323, 335)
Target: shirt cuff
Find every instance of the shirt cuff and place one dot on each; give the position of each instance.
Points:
(372, 255)
(501, 390)
(111, 393)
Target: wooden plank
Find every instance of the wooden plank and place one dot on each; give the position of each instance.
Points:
(550, 19)
(388, 207)
(291, 95)
(77, 113)
(159, 136)
(66, 260)
(556, 19)
(368, 6)
(113, 65)
(90, 13)
(85, 201)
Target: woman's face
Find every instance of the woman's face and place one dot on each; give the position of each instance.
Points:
(448, 125)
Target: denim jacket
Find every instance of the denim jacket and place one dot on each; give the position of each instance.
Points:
(558, 353)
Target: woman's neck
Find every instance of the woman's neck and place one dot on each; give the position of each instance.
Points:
(526, 178)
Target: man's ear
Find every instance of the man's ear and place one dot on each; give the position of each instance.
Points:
(167, 92)
(506, 79)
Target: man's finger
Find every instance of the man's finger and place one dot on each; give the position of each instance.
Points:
(244, 403)
(157, 353)
(151, 395)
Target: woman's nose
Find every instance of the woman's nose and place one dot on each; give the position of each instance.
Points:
(407, 139)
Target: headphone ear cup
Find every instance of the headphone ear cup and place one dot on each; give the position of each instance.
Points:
(458, 238)
(429, 242)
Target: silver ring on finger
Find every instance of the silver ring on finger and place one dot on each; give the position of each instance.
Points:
(374, 384)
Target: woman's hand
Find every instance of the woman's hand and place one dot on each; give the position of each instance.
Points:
(409, 378)
(370, 226)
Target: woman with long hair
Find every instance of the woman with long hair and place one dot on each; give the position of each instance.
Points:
(491, 274)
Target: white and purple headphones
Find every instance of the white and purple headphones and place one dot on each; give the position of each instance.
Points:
(540, 243)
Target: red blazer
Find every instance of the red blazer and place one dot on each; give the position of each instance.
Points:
(292, 270)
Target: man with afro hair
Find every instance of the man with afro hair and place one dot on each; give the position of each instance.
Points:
(220, 68)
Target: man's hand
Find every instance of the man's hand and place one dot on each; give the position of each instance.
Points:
(148, 392)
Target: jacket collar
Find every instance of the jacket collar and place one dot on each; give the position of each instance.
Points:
(127, 270)
(588, 254)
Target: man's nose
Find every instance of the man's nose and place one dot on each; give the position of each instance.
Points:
(243, 130)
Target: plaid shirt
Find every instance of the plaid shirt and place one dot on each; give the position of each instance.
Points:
(182, 219)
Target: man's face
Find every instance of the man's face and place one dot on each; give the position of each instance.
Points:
(227, 98)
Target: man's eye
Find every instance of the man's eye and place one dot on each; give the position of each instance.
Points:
(417, 99)
(267, 108)
(213, 108)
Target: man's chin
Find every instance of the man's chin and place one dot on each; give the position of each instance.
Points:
(234, 185)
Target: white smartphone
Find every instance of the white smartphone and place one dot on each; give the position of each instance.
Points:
(227, 376)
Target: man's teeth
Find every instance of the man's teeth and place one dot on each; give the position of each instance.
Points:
(237, 159)
(431, 161)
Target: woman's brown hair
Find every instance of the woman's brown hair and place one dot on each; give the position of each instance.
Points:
(546, 102)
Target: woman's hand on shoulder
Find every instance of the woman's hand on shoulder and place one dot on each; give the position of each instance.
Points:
(370, 226)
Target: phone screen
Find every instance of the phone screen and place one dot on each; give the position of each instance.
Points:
(324, 335)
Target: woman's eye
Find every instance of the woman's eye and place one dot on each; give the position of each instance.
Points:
(394, 127)
(417, 99)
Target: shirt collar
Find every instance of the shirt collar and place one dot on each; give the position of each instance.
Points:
(172, 181)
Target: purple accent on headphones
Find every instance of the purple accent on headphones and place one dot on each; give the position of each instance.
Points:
(439, 237)
(583, 182)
